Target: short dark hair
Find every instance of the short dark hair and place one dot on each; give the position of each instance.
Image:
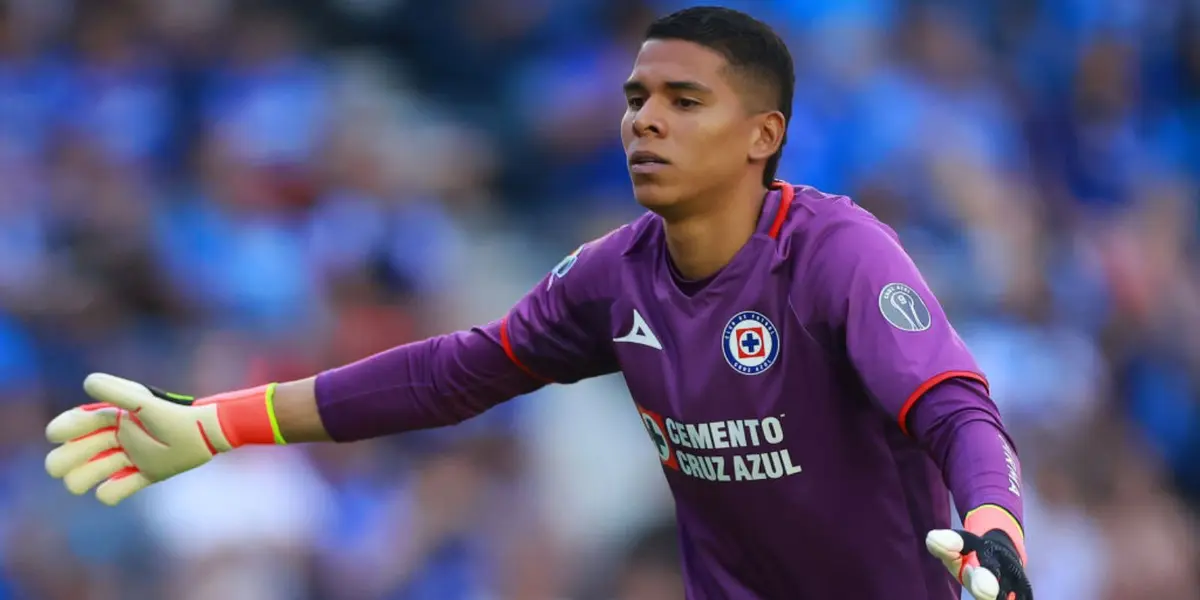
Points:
(750, 46)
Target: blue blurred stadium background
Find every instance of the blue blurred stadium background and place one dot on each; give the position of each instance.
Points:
(209, 194)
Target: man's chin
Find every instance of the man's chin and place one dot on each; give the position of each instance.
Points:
(655, 196)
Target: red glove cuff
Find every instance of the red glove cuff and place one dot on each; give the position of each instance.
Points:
(990, 516)
(247, 416)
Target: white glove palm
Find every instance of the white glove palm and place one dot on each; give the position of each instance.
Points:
(130, 439)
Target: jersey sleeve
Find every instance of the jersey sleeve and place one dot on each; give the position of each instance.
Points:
(558, 332)
(881, 310)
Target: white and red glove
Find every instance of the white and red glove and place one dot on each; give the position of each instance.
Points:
(136, 435)
(987, 556)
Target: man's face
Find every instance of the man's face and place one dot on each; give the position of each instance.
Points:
(686, 129)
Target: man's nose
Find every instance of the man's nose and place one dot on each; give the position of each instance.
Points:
(648, 121)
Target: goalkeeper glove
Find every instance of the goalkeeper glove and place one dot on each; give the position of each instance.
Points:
(987, 556)
(136, 435)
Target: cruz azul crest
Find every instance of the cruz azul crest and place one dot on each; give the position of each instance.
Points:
(750, 342)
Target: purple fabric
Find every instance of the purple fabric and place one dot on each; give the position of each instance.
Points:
(960, 427)
(856, 261)
(439, 381)
(557, 330)
(550, 333)
(777, 396)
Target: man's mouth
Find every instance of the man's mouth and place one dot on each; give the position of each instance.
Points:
(642, 157)
(642, 162)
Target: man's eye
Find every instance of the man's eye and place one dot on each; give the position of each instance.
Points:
(634, 102)
(686, 103)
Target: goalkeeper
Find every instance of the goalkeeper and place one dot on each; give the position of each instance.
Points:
(811, 405)
(136, 435)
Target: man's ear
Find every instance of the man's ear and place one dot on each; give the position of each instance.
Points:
(767, 136)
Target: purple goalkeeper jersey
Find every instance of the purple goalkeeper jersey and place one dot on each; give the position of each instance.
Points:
(776, 395)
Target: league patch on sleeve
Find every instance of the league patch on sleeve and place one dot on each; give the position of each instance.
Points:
(903, 307)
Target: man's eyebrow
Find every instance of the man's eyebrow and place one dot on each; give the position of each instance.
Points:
(632, 87)
(688, 86)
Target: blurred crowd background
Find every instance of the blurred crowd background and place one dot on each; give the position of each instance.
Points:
(209, 194)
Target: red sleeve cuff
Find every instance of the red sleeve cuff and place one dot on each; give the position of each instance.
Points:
(929, 384)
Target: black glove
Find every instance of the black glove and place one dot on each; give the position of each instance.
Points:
(996, 554)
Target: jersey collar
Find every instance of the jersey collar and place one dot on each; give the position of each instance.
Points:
(775, 208)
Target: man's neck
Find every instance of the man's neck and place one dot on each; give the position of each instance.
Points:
(702, 243)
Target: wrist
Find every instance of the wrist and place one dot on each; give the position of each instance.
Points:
(246, 417)
(990, 517)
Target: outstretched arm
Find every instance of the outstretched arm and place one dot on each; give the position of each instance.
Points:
(135, 435)
(557, 333)
(432, 383)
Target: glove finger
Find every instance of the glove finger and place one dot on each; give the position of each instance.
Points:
(945, 544)
(970, 541)
(100, 467)
(952, 548)
(981, 583)
(1013, 585)
(80, 421)
(120, 486)
(123, 393)
(73, 454)
(1021, 589)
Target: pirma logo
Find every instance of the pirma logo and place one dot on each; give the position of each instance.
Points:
(564, 266)
(750, 343)
(903, 308)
